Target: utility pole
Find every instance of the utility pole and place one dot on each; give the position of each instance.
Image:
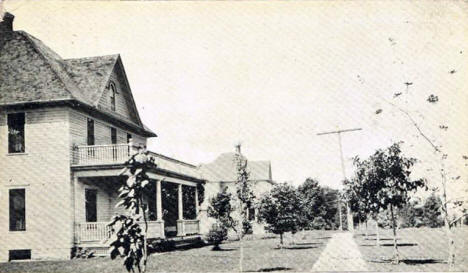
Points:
(348, 209)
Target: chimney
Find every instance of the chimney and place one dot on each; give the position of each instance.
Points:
(6, 24)
(238, 148)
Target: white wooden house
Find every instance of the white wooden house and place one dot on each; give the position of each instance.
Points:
(221, 174)
(66, 127)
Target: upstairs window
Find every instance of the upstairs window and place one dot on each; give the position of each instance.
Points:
(113, 135)
(16, 133)
(90, 130)
(17, 209)
(113, 91)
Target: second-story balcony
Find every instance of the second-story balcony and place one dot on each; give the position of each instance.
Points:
(86, 155)
(116, 154)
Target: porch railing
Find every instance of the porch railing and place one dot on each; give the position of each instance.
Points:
(100, 232)
(188, 227)
(92, 232)
(101, 154)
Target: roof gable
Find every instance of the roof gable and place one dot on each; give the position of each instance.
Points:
(91, 74)
(125, 103)
(224, 168)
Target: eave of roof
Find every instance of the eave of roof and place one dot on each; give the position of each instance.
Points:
(84, 107)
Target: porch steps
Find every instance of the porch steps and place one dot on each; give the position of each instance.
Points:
(99, 249)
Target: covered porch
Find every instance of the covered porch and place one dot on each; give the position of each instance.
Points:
(172, 198)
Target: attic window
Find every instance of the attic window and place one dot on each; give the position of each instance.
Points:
(113, 91)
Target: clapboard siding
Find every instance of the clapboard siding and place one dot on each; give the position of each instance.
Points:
(44, 172)
(103, 201)
(123, 103)
(102, 131)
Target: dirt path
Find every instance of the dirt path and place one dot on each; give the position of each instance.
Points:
(340, 254)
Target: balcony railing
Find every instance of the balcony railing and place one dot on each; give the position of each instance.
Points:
(101, 154)
(88, 155)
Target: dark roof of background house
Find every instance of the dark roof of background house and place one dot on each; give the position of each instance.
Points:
(30, 72)
(223, 168)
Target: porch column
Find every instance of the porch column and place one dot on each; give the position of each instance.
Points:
(196, 202)
(158, 200)
(181, 203)
(159, 215)
(180, 221)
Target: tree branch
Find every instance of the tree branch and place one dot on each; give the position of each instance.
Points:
(414, 123)
(454, 221)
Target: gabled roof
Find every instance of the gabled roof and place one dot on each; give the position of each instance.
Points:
(91, 74)
(30, 72)
(223, 168)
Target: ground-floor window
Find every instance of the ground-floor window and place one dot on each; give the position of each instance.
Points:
(91, 205)
(17, 209)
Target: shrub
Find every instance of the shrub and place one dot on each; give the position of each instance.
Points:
(216, 236)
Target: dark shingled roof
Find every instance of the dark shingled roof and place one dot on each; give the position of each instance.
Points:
(223, 168)
(30, 72)
(91, 74)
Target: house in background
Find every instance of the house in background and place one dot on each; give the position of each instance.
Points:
(66, 127)
(222, 174)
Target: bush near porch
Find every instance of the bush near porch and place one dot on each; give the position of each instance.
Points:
(260, 255)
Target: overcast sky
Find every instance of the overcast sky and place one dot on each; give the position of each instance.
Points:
(272, 75)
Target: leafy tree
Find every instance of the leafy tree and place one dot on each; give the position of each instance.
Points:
(220, 208)
(280, 210)
(318, 205)
(411, 215)
(245, 195)
(432, 215)
(129, 239)
(310, 196)
(386, 183)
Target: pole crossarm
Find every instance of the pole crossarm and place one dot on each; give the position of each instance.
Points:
(339, 131)
(348, 210)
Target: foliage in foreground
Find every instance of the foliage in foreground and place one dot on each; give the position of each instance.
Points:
(128, 238)
(383, 182)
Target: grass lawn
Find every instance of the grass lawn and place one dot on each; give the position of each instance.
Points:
(260, 255)
(423, 249)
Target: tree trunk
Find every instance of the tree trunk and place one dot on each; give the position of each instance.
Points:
(366, 228)
(377, 232)
(145, 240)
(281, 239)
(448, 229)
(395, 245)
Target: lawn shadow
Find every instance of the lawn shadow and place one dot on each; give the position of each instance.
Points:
(295, 247)
(270, 269)
(323, 238)
(223, 249)
(400, 244)
(302, 244)
(410, 261)
(382, 239)
(423, 261)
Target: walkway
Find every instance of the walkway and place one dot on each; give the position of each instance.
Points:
(340, 254)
